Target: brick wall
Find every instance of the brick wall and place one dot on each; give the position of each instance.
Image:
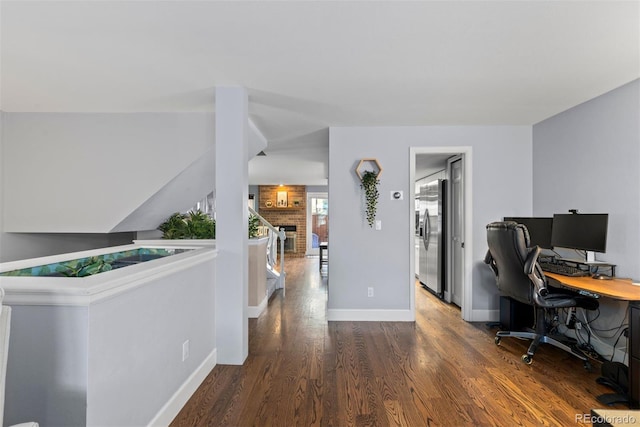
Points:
(294, 214)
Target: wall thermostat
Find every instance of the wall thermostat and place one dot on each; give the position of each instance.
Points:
(396, 195)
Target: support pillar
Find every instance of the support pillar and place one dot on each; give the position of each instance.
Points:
(232, 187)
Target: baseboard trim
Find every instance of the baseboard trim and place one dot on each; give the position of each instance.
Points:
(340, 315)
(170, 409)
(254, 312)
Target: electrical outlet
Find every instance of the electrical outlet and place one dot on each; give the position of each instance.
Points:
(185, 350)
(370, 292)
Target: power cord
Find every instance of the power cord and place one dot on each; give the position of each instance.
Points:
(624, 332)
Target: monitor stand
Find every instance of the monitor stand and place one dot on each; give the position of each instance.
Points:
(591, 257)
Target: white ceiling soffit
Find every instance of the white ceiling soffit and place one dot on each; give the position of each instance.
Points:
(311, 65)
(302, 160)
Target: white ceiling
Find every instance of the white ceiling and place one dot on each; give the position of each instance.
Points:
(309, 65)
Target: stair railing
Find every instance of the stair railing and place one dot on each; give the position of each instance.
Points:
(272, 249)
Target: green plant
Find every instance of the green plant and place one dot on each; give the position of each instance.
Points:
(195, 225)
(254, 222)
(84, 267)
(200, 226)
(175, 227)
(370, 184)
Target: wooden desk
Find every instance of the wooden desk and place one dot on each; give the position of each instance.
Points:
(621, 289)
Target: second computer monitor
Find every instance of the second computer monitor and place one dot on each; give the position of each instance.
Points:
(539, 228)
(587, 232)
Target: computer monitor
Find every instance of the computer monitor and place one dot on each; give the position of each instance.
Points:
(539, 230)
(587, 232)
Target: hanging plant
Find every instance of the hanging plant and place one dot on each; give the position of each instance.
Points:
(370, 184)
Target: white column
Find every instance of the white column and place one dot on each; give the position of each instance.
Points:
(232, 187)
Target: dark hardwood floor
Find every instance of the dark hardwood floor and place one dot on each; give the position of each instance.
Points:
(438, 371)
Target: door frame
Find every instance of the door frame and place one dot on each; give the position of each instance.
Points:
(466, 308)
(317, 194)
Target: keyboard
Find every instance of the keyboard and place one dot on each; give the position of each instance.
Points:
(562, 269)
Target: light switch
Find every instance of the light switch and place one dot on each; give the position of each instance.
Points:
(378, 224)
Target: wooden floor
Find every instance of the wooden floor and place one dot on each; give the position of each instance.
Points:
(438, 371)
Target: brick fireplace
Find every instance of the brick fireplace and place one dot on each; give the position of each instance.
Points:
(294, 214)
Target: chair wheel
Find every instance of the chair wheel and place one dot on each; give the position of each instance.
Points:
(497, 340)
(527, 359)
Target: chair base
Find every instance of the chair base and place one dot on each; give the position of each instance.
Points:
(538, 339)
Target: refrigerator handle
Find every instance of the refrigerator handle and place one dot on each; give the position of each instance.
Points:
(427, 229)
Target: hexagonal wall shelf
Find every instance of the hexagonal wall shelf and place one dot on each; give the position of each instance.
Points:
(372, 163)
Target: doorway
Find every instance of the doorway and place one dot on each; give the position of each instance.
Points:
(454, 163)
(317, 221)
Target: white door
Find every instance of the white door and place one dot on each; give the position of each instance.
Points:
(456, 168)
(317, 221)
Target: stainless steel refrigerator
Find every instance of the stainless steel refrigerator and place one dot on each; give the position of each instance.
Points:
(432, 233)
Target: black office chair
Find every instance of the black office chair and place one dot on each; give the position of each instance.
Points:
(519, 277)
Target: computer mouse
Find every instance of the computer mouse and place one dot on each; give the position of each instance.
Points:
(601, 277)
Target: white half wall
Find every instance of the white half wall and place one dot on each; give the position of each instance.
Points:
(156, 320)
(47, 371)
(363, 257)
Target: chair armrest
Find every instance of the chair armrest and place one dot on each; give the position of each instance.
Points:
(532, 259)
(530, 269)
(488, 259)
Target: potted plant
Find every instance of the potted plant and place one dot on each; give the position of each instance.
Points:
(194, 225)
(198, 225)
(369, 183)
(201, 226)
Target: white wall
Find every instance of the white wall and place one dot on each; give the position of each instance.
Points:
(587, 158)
(362, 257)
(71, 172)
(15, 246)
(317, 188)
